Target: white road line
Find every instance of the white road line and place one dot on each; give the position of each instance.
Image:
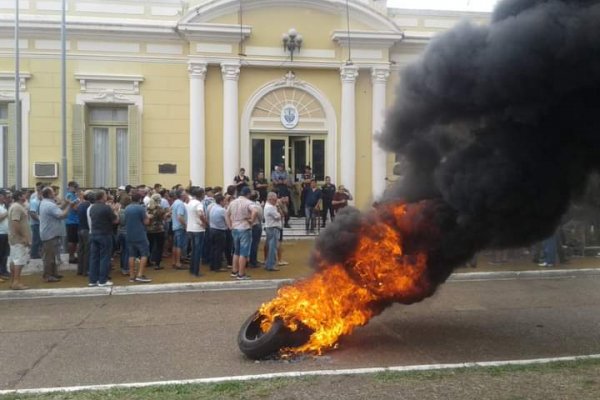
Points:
(330, 372)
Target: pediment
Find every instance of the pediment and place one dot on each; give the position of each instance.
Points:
(360, 11)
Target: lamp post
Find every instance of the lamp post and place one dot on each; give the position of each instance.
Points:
(63, 96)
(18, 128)
(292, 41)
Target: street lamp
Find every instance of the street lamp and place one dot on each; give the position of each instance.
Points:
(292, 41)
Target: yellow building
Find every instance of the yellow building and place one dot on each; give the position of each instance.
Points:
(175, 91)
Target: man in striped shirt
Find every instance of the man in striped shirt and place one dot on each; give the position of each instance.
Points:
(240, 216)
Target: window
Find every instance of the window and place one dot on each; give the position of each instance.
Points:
(294, 151)
(3, 144)
(318, 158)
(108, 146)
(258, 157)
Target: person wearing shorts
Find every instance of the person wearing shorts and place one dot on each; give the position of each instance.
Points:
(136, 220)
(240, 215)
(19, 239)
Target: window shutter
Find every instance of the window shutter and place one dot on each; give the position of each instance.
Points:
(79, 147)
(11, 146)
(134, 136)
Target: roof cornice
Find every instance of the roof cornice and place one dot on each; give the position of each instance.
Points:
(91, 27)
(227, 33)
(383, 39)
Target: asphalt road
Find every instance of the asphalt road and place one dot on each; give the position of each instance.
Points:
(140, 338)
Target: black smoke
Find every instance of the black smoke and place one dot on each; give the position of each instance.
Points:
(498, 127)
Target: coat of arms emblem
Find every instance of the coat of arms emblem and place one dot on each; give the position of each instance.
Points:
(289, 116)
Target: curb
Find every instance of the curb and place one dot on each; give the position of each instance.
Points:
(142, 289)
(509, 275)
(265, 284)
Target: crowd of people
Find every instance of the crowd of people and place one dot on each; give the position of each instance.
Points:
(142, 226)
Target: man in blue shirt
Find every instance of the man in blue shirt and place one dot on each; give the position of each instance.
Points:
(72, 221)
(281, 186)
(51, 231)
(312, 196)
(136, 220)
(179, 222)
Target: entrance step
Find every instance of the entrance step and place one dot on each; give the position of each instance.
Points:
(297, 230)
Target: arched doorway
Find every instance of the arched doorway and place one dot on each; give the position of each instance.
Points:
(290, 122)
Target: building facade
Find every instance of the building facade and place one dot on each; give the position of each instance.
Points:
(174, 91)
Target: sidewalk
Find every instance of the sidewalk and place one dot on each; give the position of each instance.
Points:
(296, 252)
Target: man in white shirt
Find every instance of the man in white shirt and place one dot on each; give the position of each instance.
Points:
(196, 226)
(147, 194)
(273, 217)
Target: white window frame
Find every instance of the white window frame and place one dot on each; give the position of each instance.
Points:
(3, 155)
(7, 94)
(113, 128)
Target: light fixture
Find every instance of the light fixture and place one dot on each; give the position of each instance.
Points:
(292, 42)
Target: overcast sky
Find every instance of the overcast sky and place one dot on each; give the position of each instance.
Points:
(469, 5)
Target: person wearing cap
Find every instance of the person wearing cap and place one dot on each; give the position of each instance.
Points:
(72, 221)
(240, 215)
(19, 238)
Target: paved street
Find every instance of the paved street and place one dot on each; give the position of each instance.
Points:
(138, 338)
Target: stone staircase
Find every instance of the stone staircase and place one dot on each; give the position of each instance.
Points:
(297, 229)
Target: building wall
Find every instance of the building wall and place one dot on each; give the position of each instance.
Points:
(161, 59)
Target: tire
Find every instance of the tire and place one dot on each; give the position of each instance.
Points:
(258, 345)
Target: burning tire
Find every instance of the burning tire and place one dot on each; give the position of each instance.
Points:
(256, 344)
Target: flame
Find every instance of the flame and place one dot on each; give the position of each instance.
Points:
(340, 298)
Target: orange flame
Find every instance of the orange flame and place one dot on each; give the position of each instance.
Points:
(339, 298)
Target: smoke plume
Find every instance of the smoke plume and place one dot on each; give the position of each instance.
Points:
(498, 128)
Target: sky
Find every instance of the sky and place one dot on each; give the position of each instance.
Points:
(464, 5)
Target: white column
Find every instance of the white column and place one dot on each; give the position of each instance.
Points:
(379, 77)
(230, 72)
(197, 71)
(348, 166)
